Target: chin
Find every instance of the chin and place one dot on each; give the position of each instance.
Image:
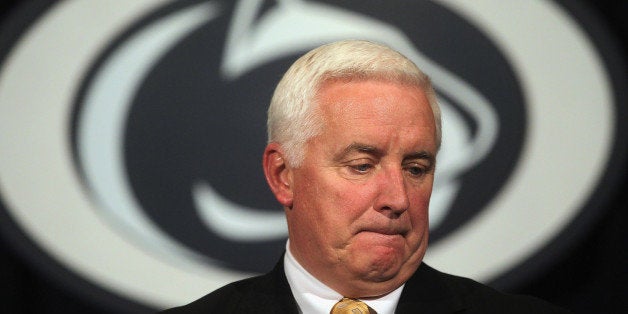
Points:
(383, 267)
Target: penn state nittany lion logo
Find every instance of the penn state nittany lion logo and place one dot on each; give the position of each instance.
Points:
(155, 125)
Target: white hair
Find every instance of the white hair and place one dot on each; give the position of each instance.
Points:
(292, 120)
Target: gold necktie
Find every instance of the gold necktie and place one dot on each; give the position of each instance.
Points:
(350, 306)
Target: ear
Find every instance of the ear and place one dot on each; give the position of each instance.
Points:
(278, 174)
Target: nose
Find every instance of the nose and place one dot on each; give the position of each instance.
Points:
(392, 198)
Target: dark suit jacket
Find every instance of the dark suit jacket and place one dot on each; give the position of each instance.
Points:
(427, 292)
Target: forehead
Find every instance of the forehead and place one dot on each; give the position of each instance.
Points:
(386, 102)
(376, 112)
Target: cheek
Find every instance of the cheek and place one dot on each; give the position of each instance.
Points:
(352, 199)
(323, 206)
(419, 211)
(340, 206)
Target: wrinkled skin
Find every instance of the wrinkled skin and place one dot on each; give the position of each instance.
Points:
(357, 207)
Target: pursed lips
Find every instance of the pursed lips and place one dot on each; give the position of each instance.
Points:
(387, 230)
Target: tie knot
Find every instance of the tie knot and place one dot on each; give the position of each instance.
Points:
(350, 306)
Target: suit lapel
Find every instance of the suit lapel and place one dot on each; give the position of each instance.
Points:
(271, 294)
(427, 292)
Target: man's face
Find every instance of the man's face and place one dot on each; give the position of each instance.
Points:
(359, 215)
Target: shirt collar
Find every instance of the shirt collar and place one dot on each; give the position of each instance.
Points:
(313, 296)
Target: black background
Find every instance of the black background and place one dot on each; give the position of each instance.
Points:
(590, 277)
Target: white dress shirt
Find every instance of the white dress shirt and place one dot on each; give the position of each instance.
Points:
(314, 297)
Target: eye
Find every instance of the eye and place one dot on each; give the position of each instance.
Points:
(362, 168)
(416, 170)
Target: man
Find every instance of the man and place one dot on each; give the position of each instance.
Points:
(354, 129)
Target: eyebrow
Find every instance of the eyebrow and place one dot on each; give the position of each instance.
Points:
(372, 150)
(359, 147)
(423, 155)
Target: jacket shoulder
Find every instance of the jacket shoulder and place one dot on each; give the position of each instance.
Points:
(269, 293)
(223, 300)
(480, 298)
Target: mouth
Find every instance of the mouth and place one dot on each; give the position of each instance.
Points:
(385, 231)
